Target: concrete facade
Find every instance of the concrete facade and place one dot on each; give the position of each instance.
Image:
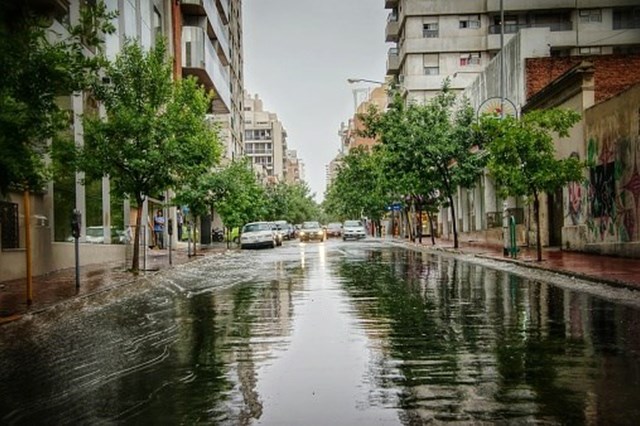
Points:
(265, 138)
(439, 39)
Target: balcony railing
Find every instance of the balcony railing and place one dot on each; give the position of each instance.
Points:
(514, 28)
(200, 58)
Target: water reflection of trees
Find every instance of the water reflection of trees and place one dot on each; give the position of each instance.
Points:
(476, 344)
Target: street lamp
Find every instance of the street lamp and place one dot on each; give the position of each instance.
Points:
(363, 80)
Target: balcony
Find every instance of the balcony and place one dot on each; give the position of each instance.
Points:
(442, 7)
(392, 31)
(223, 7)
(471, 43)
(514, 28)
(215, 27)
(524, 5)
(199, 59)
(393, 61)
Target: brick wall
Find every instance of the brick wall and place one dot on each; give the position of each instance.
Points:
(613, 73)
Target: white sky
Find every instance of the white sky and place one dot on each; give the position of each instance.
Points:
(298, 55)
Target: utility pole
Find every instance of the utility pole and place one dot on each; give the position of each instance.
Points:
(502, 88)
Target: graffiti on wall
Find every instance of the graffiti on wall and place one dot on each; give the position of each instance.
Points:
(576, 193)
(613, 190)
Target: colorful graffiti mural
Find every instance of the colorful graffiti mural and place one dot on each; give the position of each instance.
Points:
(575, 192)
(613, 190)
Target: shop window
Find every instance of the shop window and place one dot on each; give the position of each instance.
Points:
(9, 225)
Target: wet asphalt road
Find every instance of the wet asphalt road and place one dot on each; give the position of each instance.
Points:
(330, 333)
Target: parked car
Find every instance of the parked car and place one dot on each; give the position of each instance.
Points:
(258, 234)
(286, 229)
(312, 231)
(334, 229)
(353, 229)
(95, 235)
(278, 233)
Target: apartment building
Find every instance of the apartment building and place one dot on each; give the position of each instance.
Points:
(104, 215)
(439, 39)
(265, 138)
(209, 42)
(294, 168)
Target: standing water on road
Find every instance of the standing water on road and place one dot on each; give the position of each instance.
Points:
(329, 333)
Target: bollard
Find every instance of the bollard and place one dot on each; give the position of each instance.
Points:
(170, 231)
(76, 224)
(512, 235)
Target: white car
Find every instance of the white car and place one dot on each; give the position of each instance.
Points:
(257, 234)
(353, 229)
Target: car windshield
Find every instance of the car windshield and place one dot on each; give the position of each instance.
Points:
(255, 227)
(352, 223)
(310, 225)
(334, 226)
(95, 231)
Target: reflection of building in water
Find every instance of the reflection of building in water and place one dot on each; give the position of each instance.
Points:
(465, 338)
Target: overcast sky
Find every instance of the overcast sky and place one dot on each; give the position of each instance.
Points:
(298, 55)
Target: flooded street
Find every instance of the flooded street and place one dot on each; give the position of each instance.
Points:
(330, 333)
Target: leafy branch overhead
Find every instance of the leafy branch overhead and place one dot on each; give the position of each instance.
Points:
(46, 67)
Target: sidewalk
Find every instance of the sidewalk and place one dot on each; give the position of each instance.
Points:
(59, 286)
(617, 271)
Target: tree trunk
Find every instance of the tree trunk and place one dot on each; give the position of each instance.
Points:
(536, 211)
(453, 220)
(420, 222)
(135, 263)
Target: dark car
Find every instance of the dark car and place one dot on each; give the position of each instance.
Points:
(311, 231)
(288, 233)
(334, 229)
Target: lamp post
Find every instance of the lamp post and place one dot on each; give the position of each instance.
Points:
(364, 80)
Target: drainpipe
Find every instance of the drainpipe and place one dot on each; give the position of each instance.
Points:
(502, 89)
(176, 25)
(27, 241)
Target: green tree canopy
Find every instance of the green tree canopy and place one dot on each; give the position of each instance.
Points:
(360, 187)
(39, 66)
(522, 155)
(155, 135)
(429, 147)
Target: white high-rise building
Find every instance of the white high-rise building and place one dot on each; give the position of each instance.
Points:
(265, 138)
(456, 39)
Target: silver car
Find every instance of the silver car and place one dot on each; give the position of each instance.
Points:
(257, 234)
(353, 229)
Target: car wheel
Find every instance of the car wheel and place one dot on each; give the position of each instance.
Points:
(236, 240)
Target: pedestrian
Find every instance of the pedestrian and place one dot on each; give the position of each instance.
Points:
(158, 229)
(180, 220)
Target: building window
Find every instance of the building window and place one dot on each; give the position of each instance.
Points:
(431, 70)
(590, 15)
(470, 59)
(590, 50)
(625, 18)
(9, 222)
(157, 24)
(470, 21)
(430, 30)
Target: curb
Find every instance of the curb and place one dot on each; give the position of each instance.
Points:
(149, 273)
(525, 264)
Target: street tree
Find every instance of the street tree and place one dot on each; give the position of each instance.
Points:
(360, 187)
(522, 156)
(430, 146)
(291, 202)
(39, 66)
(154, 136)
